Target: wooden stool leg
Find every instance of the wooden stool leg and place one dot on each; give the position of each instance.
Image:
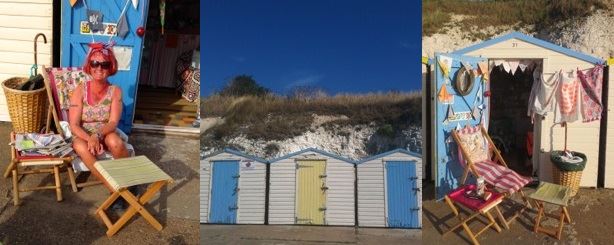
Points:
(567, 217)
(15, 188)
(492, 220)
(561, 222)
(139, 208)
(58, 185)
(540, 212)
(71, 177)
(470, 234)
(501, 218)
(108, 202)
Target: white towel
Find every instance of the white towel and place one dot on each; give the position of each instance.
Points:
(543, 92)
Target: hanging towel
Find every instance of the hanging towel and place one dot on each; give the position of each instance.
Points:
(591, 94)
(514, 66)
(542, 93)
(569, 98)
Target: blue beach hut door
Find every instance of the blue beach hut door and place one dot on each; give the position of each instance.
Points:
(224, 192)
(401, 195)
(454, 111)
(128, 49)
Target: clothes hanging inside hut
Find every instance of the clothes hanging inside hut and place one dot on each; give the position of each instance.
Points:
(591, 93)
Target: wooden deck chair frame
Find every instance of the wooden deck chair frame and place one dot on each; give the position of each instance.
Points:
(470, 167)
(52, 115)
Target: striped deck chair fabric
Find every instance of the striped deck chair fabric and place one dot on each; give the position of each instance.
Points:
(478, 151)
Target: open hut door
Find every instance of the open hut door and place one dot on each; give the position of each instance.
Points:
(458, 92)
(76, 35)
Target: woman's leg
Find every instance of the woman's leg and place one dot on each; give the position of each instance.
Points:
(80, 147)
(115, 145)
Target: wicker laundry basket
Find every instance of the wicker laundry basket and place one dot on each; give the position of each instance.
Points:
(567, 174)
(26, 108)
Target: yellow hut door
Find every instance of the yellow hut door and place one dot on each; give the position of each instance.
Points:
(311, 192)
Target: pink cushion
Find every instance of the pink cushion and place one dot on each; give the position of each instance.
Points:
(458, 196)
(500, 176)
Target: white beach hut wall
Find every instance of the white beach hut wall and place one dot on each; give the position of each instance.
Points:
(232, 188)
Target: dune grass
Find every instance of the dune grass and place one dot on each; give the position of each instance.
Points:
(436, 14)
(274, 117)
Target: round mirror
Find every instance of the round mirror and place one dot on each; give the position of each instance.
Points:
(464, 81)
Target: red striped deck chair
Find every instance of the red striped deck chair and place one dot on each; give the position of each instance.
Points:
(483, 158)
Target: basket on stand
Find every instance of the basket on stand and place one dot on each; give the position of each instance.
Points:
(567, 173)
(26, 108)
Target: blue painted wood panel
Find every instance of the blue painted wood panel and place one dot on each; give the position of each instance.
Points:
(74, 45)
(401, 193)
(224, 192)
(449, 171)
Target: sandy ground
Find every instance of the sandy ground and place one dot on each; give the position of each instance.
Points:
(289, 234)
(42, 220)
(591, 212)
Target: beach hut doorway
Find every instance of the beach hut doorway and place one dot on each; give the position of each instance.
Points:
(510, 128)
(311, 198)
(168, 92)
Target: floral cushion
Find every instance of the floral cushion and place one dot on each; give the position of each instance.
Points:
(63, 82)
(475, 145)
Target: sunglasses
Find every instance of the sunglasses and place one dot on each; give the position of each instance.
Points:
(104, 64)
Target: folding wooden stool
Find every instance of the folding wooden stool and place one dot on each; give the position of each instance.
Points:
(554, 194)
(126, 172)
(478, 207)
(40, 165)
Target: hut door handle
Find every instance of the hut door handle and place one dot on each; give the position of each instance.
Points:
(416, 189)
(415, 209)
(323, 176)
(237, 189)
(323, 209)
(324, 188)
(236, 176)
(413, 178)
(233, 208)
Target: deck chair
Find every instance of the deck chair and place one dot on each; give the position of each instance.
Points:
(60, 84)
(484, 159)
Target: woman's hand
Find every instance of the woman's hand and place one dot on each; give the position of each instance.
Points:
(94, 145)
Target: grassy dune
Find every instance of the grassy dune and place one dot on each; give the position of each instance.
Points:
(275, 117)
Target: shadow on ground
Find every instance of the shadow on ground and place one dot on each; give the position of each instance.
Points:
(591, 221)
(41, 220)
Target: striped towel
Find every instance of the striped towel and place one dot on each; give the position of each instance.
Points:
(500, 176)
(126, 172)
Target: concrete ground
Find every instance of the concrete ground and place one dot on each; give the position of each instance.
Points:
(290, 234)
(41, 220)
(591, 211)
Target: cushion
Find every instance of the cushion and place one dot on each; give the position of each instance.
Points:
(474, 143)
(63, 81)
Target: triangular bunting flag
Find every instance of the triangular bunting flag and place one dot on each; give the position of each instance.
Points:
(72, 3)
(483, 67)
(514, 65)
(122, 26)
(445, 97)
(506, 67)
(135, 3)
(445, 63)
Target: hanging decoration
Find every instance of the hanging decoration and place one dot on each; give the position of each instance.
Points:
(513, 66)
(483, 70)
(445, 63)
(591, 94)
(94, 19)
(463, 84)
(449, 115)
(162, 13)
(135, 4)
(122, 22)
(445, 97)
(72, 3)
(140, 31)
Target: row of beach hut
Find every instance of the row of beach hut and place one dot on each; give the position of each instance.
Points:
(312, 187)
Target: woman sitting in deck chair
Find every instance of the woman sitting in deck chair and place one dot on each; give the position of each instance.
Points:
(95, 110)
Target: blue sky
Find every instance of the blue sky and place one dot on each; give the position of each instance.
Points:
(351, 46)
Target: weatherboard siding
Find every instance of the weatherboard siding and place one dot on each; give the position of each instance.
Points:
(340, 195)
(21, 21)
(282, 188)
(252, 189)
(205, 173)
(372, 189)
(252, 193)
(582, 137)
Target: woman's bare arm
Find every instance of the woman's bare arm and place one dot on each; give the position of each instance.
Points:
(74, 113)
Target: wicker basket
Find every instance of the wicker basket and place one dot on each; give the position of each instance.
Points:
(569, 179)
(26, 108)
(567, 174)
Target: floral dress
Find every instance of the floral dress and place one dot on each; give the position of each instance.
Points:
(93, 117)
